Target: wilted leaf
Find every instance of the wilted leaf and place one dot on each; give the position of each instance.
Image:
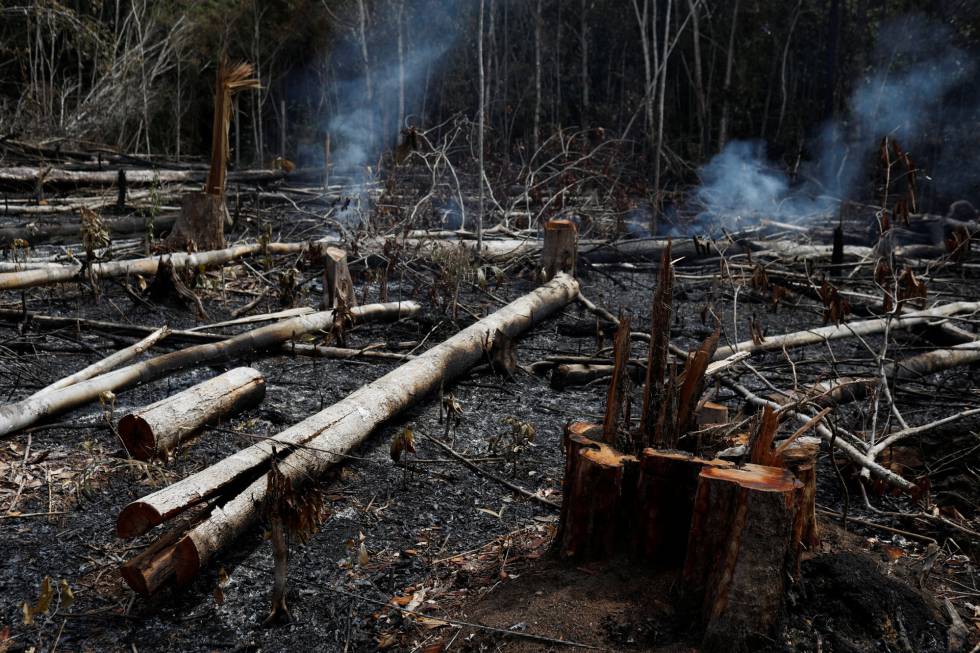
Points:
(65, 596)
(362, 556)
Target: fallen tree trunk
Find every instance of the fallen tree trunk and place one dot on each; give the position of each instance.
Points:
(29, 320)
(155, 430)
(108, 363)
(35, 234)
(846, 330)
(318, 442)
(23, 413)
(30, 177)
(145, 266)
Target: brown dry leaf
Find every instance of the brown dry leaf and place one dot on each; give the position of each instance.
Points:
(431, 623)
(47, 594)
(362, 556)
(387, 640)
(66, 597)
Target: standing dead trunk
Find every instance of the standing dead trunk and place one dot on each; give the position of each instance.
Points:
(726, 91)
(201, 224)
(156, 430)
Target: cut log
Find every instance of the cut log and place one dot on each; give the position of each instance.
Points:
(144, 266)
(29, 177)
(156, 565)
(666, 486)
(741, 550)
(317, 443)
(201, 223)
(337, 285)
(598, 493)
(110, 362)
(23, 413)
(34, 233)
(559, 249)
(850, 330)
(577, 374)
(155, 430)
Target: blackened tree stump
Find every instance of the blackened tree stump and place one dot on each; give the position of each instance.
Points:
(665, 492)
(598, 479)
(741, 550)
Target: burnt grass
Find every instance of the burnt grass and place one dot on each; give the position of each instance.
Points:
(478, 551)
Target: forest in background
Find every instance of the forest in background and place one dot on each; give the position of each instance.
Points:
(800, 91)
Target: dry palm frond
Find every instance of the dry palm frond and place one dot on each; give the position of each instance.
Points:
(94, 233)
(231, 79)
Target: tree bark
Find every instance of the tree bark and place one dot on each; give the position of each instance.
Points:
(145, 266)
(559, 248)
(848, 330)
(108, 363)
(156, 430)
(27, 177)
(201, 223)
(23, 413)
(741, 550)
(320, 441)
(338, 288)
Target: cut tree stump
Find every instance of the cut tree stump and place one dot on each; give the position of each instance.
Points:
(741, 550)
(801, 459)
(711, 414)
(598, 491)
(155, 430)
(337, 284)
(666, 487)
(201, 223)
(559, 250)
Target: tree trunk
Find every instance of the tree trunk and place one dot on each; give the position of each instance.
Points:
(156, 430)
(337, 285)
(726, 100)
(23, 413)
(598, 493)
(201, 223)
(108, 363)
(559, 249)
(741, 550)
(320, 441)
(144, 266)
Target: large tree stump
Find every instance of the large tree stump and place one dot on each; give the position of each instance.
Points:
(599, 485)
(337, 284)
(201, 223)
(741, 550)
(559, 250)
(665, 493)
